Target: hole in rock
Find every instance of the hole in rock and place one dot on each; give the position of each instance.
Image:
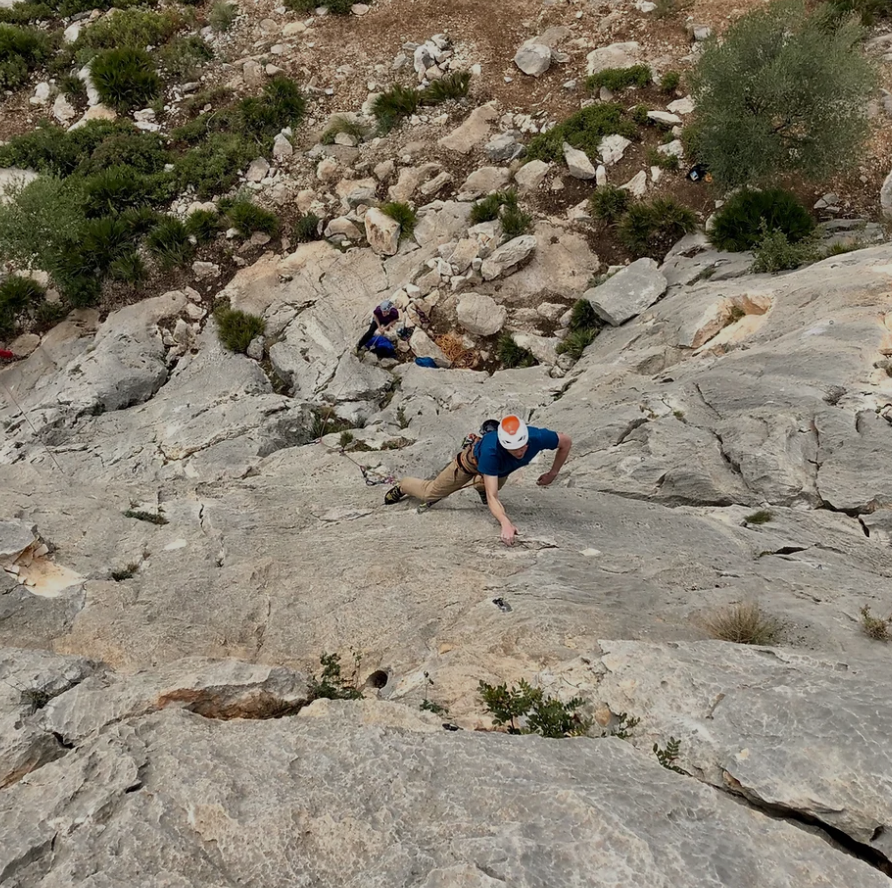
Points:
(377, 679)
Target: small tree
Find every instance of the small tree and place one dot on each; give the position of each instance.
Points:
(785, 91)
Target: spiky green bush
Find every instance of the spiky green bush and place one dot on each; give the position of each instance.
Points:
(738, 225)
(502, 205)
(344, 125)
(775, 253)
(452, 86)
(247, 217)
(281, 105)
(19, 299)
(134, 28)
(125, 78)
(584, 317)
(306, 228)
(21, 51)
(608, 203)
(182, 57)
(212, 167)
(203, 225)
(395, 104)
(236, 329)
(650, 229)
(616, 79)
(511, 355)
(576, 342)
(402, 213)
(169, 243)
(583, 130)
(119, 188)
(670, 81)
(128, 269)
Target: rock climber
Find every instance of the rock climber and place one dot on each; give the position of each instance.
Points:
(486, 464)
(384, 317)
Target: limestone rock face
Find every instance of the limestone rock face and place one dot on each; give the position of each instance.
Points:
(169, 782)
(382, 232)
(628, 292)
(508, 256)
(533, 59)
(760, 722)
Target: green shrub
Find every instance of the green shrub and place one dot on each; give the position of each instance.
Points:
(576, 342)
(452, 86)
(19, 299)
(73, 88)
(616, 79)
(21, 51)
(652, 228)
(488, 208)
(125, 78)
(738, 225)
(332, 685)
(344, 125)
(183, 56)
(50, 149)
(169, 243)
(763, 516)
(134, 28)
(37, 221)
(785, 91)
(515, 221)
(129, 147)
(583, 130)
(336, 7)
(306, 228)
(119, 188)
(103, 241)
(128, 269)
(247, 217)
(203, 225)
(213, 166)
(402, 213)
(608, 203)
(526, 710)
(775, 253)
(25, 13)
(391, 106)
(511, 355)
(222, 16)
(670, 81)
(868, 10)
(584, 317)
(661, 160)
(502, 205)
(262, 118)
(639, 115)
(237, 328)
(668, 756)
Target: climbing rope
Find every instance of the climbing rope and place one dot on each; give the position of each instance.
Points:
(367, 472)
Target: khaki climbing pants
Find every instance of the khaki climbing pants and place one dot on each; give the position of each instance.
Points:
(458, 474)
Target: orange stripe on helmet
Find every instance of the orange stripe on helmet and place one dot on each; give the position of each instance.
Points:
(511, 424)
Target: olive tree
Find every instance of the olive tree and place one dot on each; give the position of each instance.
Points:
(784, 91)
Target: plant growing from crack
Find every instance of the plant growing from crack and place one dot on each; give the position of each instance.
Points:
(331, 684)
(668, 756)
(526, 710)
(875, 627)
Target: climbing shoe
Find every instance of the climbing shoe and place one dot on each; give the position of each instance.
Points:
(483, 499)
(394, 495)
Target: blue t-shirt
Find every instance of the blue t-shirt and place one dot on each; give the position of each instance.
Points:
(493, 459)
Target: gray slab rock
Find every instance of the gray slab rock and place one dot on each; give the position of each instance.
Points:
(578, 164)
(531, 175)
(629, 292)
(483, 181)
(507, 257)
(15, 537)
(480, 314)
(533, 59)
(28, 681)
(616, 55)
(802, 733)
(473, 132)
(382, 232)
(142, 803)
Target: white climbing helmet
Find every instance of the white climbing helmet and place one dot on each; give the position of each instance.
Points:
(513, 433)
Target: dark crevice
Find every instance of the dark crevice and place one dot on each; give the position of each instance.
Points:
(62, 741)
(634, 424)
(831, 834)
